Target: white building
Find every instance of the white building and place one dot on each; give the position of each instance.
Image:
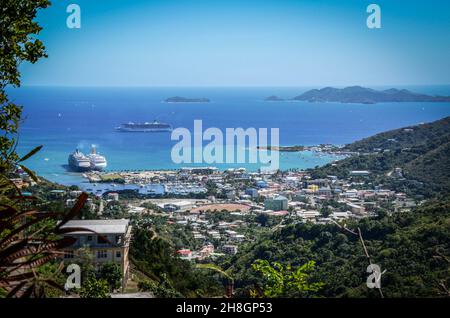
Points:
(109, 241)
(178, 206)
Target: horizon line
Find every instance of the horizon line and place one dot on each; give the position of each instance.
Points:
(223, 86)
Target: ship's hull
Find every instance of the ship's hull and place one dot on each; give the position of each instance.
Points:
(98, 166)
(97, 162)
(79, 166)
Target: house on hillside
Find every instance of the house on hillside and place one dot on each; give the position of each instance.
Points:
(109, 240)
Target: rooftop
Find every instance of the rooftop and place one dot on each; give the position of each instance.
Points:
(99, 226)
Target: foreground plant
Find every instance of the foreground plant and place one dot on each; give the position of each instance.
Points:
(28, 238)
(285, 281)
(27, 241)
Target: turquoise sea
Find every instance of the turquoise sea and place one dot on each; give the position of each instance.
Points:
(65, 118)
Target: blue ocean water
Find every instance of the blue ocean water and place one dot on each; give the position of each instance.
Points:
(65, 118)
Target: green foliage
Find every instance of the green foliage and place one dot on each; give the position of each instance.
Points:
(432, 168)
(285, 281)
(412, 246)
(28, 240)
(86, 260)
(425, 135)
(112, 274)
(17, 45)
(152, 206)
(109, 272)
(211, 188)
(51, 271)
(115, 210)
(156, 258)
(216, 269)
(262, 219)
(325, 211)
(95, 288)
(164, 289)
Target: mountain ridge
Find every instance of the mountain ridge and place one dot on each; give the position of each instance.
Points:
(364, 95)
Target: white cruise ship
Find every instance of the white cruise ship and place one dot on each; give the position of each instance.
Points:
(78, 161)
(155, 126)
(97, 162)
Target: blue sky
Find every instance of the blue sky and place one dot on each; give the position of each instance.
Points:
(243, 43)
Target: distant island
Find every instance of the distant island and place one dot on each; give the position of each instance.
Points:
(273, 98)
(363, 95)
(178, 99)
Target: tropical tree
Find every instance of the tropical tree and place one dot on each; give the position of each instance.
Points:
(28, 241)
(112, 274)
(28, 238)
(95, 288)
(285, 281)
(223, 273)
(163, 289)
(17, 45)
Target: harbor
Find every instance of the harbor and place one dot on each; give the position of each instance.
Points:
(151, 183)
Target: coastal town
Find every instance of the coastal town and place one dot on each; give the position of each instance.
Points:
(223, 154)
(198, 219)
(221, 210)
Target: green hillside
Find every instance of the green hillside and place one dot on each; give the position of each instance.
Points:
(424, 136)
(422, 152)
(412, 247)
(432, 168)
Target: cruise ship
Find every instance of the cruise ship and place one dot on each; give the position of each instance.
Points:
(154, 126)
(79, 162)
(97, 161)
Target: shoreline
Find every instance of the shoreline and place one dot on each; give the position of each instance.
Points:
(329, 149)
(300, 158)
(121, 176)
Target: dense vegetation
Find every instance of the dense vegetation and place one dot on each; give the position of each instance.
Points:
(167, 274)
(412, 247)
